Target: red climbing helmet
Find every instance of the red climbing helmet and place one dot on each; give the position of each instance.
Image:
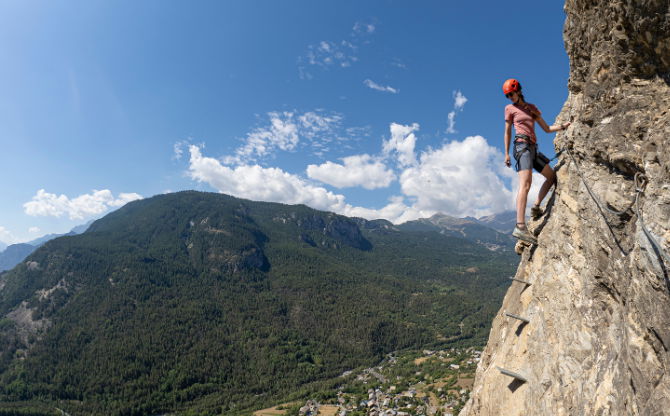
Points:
(511, 85)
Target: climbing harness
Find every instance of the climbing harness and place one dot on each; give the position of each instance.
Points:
(557, 155)
(640, 184)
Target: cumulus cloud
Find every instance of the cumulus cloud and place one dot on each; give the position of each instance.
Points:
(461, 178)
(97, 202)
(459, 103)
(371, 84)
(275, 185)
(396, 211)
(34, 230)
(261, 184)
(358, 170)
(402, 142)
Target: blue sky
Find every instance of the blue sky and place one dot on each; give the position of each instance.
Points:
(386, 109)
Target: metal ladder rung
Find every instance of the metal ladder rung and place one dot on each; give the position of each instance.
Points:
(521, 318)
(512, 374)
(519, 280)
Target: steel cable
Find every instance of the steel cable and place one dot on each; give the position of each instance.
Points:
(640, 185)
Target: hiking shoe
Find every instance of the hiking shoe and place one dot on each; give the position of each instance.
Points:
(524, 234)
(536, 212)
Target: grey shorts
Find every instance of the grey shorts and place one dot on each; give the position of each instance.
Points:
(527, 157)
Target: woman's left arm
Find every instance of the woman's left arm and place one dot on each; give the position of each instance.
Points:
(553, 128)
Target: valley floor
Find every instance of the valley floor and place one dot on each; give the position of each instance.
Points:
(409, 383)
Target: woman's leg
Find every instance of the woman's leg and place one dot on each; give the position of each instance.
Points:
(548, 173)
(525, 180)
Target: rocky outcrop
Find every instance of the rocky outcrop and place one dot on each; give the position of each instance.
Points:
(346, 232)
(328, 229)
(598, 302)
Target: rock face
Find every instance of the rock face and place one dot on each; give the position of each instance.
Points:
(598, 303)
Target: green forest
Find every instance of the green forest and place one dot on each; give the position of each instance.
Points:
(200, 303)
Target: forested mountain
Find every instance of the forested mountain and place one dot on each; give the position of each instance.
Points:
(207, 303)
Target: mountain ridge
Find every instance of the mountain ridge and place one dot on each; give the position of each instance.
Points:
(16, 253)
(468, 228)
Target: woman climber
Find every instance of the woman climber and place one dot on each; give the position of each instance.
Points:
(523, 116)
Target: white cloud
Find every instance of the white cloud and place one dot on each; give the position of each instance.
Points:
(402, 141)
(460, 179)
(395, 211)
(282, 133)
(459, 103)
(328, 54)
(261, 184)
(6, 236)
(396, 62)
(325, 46)
(302, 71)
(371, 84)
(360, 27)
(178, 148)
(459, 100)
(452, 122)
(97, 202)
(34, 230)
(357, 170)
(285, 132)
(313, 125)
(274, 185)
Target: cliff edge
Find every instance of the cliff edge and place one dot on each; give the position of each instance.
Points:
(598, 299)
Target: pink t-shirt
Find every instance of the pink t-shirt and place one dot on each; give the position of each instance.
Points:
(522, 118)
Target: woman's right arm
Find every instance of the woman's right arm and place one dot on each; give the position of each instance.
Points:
(508, 139)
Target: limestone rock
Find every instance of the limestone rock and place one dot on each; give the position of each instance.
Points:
(599, 304)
